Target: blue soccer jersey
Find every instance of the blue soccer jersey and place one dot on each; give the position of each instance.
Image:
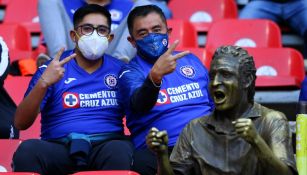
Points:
(81, 102)
(183, 96)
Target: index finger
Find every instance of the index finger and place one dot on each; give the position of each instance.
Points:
(65, 60)
(172, 47)
(58, 54)
(181, 54)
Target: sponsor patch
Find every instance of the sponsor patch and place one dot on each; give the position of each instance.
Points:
(187, 71)
(110, 80)
(71, 100)
(163, 97)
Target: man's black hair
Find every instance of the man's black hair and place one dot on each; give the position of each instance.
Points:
(89, 9)
(142, 11)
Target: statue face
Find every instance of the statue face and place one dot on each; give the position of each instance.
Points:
(226, 86)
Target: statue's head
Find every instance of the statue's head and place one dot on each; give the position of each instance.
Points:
(232, 74)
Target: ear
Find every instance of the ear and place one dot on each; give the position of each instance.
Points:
(132, 41)
(110, 38)
(73, 36)
(248, 81)
(169, 31)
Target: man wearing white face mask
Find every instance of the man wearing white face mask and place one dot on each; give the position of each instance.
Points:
(81, 118)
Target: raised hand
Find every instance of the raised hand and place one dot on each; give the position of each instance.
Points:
(246, 129)
(55, 70)
(157, 141)
(166, 63)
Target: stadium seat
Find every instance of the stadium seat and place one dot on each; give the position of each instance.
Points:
(184, 31)
(15, 12)
(114, 172)
(200, 53)
(244, 33)
(203, 12)
(281, 68)
(8, 147)
(16, 87)
(18, 40)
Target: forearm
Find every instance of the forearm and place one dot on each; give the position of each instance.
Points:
(164, 166)
(145, 97)
(28, 109)
(272, 164)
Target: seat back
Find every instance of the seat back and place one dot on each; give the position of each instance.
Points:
(200, 53)
(8, 147)
(16, 12)
(244, 33)
(16, 87)
(183, 31)
(203, 12)
(278, 67)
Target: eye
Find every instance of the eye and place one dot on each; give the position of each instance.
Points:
(103, 30)
(87, 29)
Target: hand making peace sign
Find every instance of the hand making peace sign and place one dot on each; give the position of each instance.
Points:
(55, 70)
(166, 63)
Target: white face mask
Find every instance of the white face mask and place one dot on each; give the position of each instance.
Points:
(93, 46)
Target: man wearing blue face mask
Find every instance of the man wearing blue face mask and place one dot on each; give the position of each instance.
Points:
(160, 87)
(81, 119)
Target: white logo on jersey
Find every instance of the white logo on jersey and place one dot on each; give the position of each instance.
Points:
(187, 71)
(71, 100)
(69, 80)
(124, 73)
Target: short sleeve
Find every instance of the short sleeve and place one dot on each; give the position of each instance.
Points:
(280, 139)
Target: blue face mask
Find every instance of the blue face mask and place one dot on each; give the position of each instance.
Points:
(152, 46)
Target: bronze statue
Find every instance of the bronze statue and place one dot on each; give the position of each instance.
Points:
(241, 137)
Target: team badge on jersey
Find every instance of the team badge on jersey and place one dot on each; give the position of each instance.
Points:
(163, 98)
(116, 15)
(187, 71)
(110, 80)
(164, 42)
(71, 100)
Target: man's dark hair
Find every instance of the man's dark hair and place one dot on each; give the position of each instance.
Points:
(142, 11)
(89, 9)
(246, 65)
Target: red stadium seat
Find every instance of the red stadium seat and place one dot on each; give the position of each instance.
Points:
(203, 12)
(16, 87)
(114, 172)
(24, 12)
(200, 53)
(244, 33)
(18, 40)
(184, 32)
(278, 67)
(8, 147)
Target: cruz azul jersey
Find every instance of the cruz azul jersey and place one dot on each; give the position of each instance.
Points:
(183, 96)
(81, 102)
